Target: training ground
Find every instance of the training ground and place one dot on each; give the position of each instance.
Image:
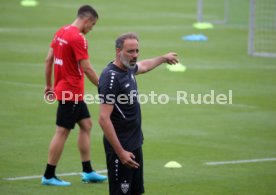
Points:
(224, 149)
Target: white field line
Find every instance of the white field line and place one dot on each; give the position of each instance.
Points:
(225, 67)
(241, 161)
(105, 171)
(23, 64)
(27, 30)
(240, 105)
(39, 176)
(5, 30)
(33, 30)
(20, 84)
(234, 105)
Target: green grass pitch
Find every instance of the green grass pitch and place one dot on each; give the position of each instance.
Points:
(189, 134)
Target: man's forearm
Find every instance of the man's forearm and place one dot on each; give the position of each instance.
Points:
(110, 135)
(150, 64)
(92, 76)
(48, 68)
(89, 71)
(48, 75)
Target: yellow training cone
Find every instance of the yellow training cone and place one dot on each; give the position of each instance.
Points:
(176, 67)
(203, 25)
(29, 3)
(173, 164)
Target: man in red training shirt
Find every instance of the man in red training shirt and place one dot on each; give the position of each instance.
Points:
(69, 54)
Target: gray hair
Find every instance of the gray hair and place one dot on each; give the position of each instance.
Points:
(121, 39)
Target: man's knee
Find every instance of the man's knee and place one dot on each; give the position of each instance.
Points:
(85, 124)
(61, 131)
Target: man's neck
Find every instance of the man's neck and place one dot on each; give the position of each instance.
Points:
(119, 65)
(77, 23)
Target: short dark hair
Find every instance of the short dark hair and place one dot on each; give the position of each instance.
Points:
(87, 10)
(121, 39)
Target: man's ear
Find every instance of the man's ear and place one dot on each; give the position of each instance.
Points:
(86, 20)
(118, 50)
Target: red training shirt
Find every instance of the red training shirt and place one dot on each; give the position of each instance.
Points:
(69, 46)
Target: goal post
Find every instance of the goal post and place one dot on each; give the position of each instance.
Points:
(262, 28)
(214, 11)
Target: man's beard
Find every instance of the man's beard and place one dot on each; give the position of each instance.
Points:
(128, 64)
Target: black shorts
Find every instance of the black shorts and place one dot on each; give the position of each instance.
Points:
(69, 113)
(124, 180)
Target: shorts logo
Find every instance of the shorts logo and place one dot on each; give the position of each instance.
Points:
(125, 187)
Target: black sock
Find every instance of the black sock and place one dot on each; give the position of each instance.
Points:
(86, 167)
(50, 171)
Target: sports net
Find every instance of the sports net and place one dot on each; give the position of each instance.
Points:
(262, 28)
(213, 11)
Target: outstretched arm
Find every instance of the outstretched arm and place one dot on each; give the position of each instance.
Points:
(149, 64)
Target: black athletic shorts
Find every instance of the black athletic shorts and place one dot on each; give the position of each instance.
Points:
(124, 180)
(70, 112)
